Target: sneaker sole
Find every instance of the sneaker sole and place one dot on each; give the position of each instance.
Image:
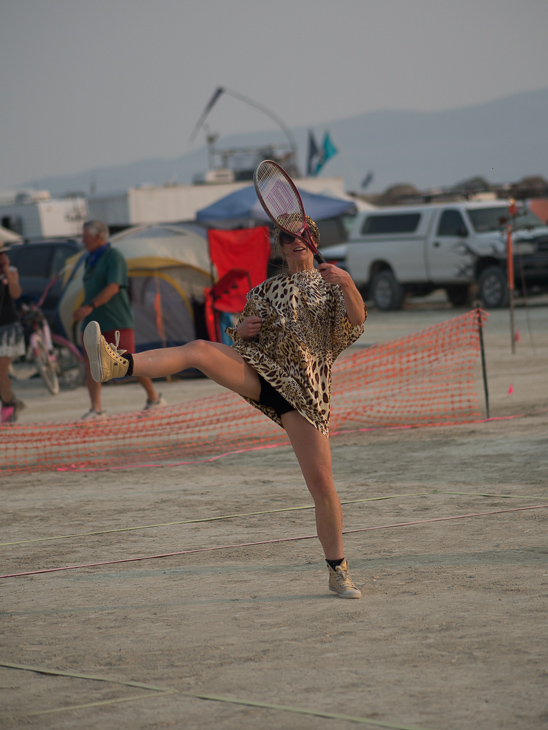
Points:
(352, 594)
(92, 339)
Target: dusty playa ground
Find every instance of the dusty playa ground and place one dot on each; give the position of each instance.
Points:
(446, 537)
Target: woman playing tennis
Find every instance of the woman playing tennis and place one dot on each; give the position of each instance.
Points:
(293, 327)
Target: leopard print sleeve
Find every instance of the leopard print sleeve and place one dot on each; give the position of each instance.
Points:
(344, 333)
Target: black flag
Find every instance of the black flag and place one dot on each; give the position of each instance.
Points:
(313, 155)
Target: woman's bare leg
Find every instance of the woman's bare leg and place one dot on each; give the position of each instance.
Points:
(219, 362)
(6, 393)
(226, 367)
(94, 390)
(313, 453)
(150, 390)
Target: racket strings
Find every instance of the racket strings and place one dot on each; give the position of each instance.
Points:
(281, 200)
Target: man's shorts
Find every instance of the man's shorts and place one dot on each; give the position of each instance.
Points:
(127, 339)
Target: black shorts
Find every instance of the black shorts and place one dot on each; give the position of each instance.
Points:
(271, 398)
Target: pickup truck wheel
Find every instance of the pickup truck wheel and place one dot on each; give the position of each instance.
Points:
(493, 288)
(386, 293)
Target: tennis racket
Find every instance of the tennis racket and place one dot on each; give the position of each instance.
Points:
(282, 203)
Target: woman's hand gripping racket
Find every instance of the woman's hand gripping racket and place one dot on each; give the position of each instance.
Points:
(282, 203)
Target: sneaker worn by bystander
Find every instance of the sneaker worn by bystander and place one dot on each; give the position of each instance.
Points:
(92, 414)
(11, 411)
(158, 403)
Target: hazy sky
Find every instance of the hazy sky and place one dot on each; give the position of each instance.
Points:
(93, 83)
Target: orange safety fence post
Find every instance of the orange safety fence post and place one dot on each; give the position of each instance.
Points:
(510, 267)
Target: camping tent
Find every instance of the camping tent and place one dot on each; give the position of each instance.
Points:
(169, 269)
(539, 206)
(243, 207)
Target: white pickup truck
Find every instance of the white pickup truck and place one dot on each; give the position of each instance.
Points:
(460, 247)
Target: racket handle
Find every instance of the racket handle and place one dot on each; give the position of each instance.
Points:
(307, 238)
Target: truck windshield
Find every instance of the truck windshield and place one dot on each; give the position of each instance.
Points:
(492, 219)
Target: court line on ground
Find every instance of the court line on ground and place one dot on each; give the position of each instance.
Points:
(255, 514)
(206, 519)
(264, 542)
(191, 695)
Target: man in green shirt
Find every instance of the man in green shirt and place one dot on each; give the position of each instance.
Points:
(106, 300)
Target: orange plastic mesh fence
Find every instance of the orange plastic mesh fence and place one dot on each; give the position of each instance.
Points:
(427, 378)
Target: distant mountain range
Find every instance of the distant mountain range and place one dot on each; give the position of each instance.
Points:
(501, 141)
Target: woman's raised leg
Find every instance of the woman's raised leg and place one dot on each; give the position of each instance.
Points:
(219, 362)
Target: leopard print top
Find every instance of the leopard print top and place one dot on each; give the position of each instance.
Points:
(304, 329)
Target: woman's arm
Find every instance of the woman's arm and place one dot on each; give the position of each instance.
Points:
(14, 287)
(103, 297)
(249, 328)
(353, 301)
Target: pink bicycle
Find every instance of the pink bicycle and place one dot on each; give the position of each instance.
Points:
(57, 360)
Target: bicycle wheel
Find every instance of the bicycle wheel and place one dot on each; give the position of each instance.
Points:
(71, 370)
(45, 364)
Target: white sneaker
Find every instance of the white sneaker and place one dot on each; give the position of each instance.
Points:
(91, 414)
(158, 403)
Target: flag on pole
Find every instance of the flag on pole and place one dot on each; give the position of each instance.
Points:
(328, 151)
(368, 179)
(313, 154)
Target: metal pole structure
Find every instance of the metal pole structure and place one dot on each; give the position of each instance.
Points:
(483, 365)
(223, 90)
(275, 118)
(510, 270)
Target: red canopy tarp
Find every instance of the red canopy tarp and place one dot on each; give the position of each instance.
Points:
(241, 259)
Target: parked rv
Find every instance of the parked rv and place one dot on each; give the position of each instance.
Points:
(460, 247)
(35, 214)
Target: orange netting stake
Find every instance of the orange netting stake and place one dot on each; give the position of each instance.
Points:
(424, 379)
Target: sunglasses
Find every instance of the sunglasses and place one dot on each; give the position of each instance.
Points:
(286, 238)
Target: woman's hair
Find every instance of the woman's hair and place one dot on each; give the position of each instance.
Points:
(314, 232)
